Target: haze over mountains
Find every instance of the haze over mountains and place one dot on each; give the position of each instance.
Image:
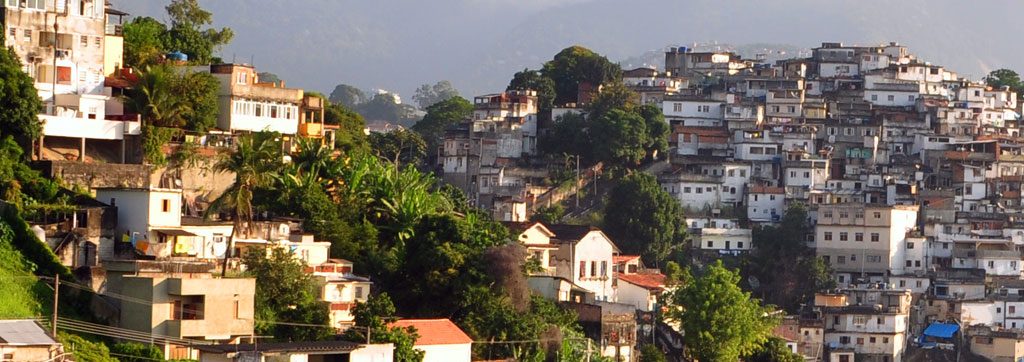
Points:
(478, 45)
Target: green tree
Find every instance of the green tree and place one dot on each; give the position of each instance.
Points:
(1004, 77)
(268, 77)
(153, 97)
(575, 65)
(254, 162)
(400, 147)
(347, 96)
(618, 138)
(534, 80)
(198, 91)
(651, 353)
(189, 34)
(778, 249)
(428, 95)
(774, 350)
(722, 322)
(143, 41)
(84, 349)
(351, 136)
(657, 129)
(644, 219)
(286, 293)
(374, 316)
(441, 115)
(19, 103)
(549, 215)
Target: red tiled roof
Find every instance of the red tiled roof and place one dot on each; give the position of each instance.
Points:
(435, 331)
(624, 258)
(649, 281)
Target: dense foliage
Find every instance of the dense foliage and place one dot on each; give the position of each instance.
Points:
(722, 322)
(535, 81)
(19, 102)
(373, 317)
(616, 132)
(787, 271)
(441, 115)
(774, 350)
(644, 219)
(347, 95)
(285, 293)
(577, 65)
(400, 147)
(146, 39)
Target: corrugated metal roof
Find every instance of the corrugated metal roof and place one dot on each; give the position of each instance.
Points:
(23, 332)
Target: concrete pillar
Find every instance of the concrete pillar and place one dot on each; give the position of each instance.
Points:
(123, 147)
(41, 138)
(81, 154)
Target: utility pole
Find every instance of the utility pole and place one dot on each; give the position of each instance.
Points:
(56, 296)
(588, 349)
(577, 183)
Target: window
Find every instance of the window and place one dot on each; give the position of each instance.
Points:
(917, 283)
(359, 293)
(583, 269)
(877, 214)
(743, 173)
(853, 257)
(604, 268)
(1011, 309)
(739, 245)
(910, 98)
(903, 283)
(700, 190)
(593, 269)
(828, 236)
(860, 319)
(891, 98)
(860, 340)
(13, 34)
(677, 107)
(874, 258)
(992, 264)
(235, 310)
(844, 339)
(686, 190)
(827, 214)
(258, 109)
(885, 339)
(98, 41)
(711, 244)
(841, 259)
(241, 78)
(843, 236)
(910, 245)
(874, 237)
(858, 237)
(28, 35)
(909, 264)
(165, 205)
(871, 340)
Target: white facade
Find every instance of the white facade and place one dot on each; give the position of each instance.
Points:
(141, 210)
(693, 112)
(446, 352)
(865, 238)
(723, 240)
(766, 204)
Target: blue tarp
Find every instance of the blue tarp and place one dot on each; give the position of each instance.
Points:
(941, 330)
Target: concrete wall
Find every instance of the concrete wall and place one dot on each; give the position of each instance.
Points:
(635, 295)
(97, 175)
(446, 352)
(29, 353)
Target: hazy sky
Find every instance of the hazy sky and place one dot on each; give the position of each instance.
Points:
(479, 44)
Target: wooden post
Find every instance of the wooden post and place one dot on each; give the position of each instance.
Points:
(56, 296)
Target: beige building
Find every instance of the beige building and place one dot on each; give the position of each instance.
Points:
(193, 306)
(341, 289)
(997, 346)
(25, 340)
(62, 45)
(873, 323)
(864, 238)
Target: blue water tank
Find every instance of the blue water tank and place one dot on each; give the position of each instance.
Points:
(176, 55)
(682, 49)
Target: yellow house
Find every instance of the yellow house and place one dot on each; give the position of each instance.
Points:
(113, 42)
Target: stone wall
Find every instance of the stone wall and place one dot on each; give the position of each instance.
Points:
(95, 175)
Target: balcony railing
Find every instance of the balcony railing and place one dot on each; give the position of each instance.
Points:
(114, 29)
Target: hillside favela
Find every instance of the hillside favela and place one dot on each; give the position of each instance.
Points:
(185, 180)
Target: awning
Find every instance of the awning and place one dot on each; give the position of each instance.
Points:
(174, 232)
(941, 330)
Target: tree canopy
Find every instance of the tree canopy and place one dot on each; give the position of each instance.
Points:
(428, 95)
(384, 107)
(575, 65)
(147, 39)
(780, 248)
(1006, 78)
(19, 103)
(285, 293)
(350, 136)
(722, 322)
(400, 147)
(441, 115)
(643, 219)
(535, 80)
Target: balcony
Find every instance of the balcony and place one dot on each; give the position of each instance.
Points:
(314, 130)
(70, 126)
(114, 30)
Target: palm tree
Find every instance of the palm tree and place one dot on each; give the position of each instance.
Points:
(153, 98)
(255, 162)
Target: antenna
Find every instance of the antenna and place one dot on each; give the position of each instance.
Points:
(252, 59)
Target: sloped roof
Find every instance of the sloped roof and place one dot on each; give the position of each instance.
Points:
(653, 281)
(23, 332)
(570, 232)
(624, 258)
(435, 331)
